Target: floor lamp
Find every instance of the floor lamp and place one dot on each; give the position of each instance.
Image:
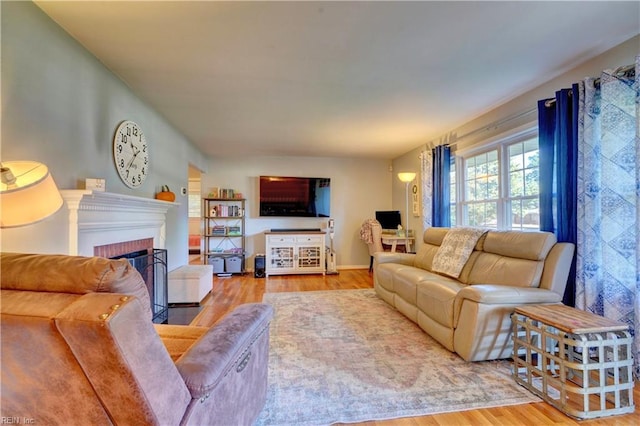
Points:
(28, 193)
(407, 178)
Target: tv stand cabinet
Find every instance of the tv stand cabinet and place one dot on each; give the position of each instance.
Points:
(295, 253)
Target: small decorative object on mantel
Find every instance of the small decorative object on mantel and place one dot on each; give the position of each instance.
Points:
(94, 184)
(165, 194)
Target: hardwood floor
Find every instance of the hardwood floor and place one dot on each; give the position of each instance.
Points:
(230, 292)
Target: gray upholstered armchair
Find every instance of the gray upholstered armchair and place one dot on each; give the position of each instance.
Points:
(79, 347)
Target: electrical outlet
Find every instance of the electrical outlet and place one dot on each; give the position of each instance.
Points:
(183, 190)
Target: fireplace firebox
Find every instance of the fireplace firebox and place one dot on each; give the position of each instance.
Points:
(152, 266)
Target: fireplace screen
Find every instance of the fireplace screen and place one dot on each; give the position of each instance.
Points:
(152, 265)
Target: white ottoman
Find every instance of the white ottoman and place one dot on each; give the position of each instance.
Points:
(190, 283)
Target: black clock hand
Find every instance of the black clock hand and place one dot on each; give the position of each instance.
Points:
(132, 159)
(133, 149)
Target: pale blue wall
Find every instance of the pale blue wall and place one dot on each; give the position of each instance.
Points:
(61, 106)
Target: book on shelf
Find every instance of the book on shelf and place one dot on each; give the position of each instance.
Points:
(218, 230)
(234, 230)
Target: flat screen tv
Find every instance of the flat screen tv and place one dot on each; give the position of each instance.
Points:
(389, 219)
(295, 196)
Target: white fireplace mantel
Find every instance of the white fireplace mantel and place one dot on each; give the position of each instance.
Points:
(98, 218)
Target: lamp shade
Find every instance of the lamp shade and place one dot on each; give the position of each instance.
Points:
(28, 193)
(406, 176)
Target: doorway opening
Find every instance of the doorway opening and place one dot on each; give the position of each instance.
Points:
(195, 214)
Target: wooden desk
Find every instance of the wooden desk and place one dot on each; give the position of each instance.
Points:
(394, 240)
(576, 361)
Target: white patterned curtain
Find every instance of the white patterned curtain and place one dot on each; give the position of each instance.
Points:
(426, 171)
(608, 248)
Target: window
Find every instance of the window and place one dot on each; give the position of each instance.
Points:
(481, 190)
(522, 199)
(452, 190)
(498, 187)
(195, 203)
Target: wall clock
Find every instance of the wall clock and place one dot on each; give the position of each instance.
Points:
(131, 154)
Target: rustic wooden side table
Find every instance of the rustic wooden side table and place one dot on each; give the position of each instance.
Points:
(578, 362)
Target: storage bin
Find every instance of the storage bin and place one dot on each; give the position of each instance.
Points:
(233, 264)
(217, 263)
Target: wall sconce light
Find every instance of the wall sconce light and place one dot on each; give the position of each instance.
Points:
(28, 193)
(407, 178)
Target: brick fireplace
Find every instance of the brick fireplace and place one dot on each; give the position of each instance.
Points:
(113, 225)
(123, 248)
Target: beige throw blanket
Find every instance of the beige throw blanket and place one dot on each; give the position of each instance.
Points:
(455, 250)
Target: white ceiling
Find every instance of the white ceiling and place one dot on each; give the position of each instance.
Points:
(359, 79)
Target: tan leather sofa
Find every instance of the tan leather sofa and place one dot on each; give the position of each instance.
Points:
(471, 315)
(79, 347)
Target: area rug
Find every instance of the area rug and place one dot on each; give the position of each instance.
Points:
(346, 356)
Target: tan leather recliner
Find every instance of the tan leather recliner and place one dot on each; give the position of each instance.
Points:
(79, 347)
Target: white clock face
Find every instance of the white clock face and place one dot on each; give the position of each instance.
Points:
(131, 154)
